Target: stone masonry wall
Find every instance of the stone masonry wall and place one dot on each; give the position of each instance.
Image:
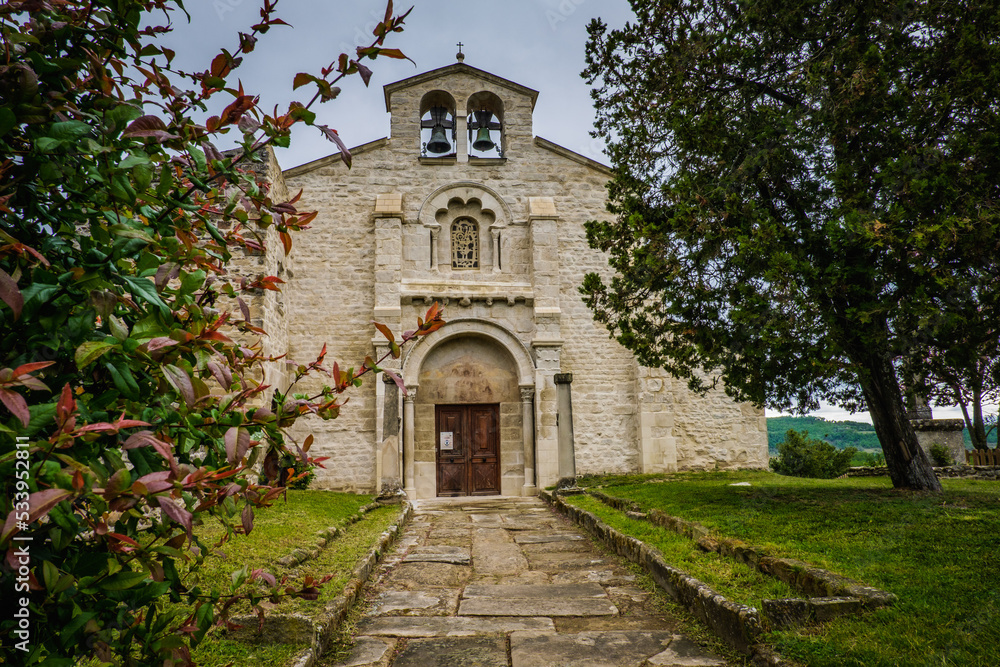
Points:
(332, 297)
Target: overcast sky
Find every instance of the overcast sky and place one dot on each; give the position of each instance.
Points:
(537, 43)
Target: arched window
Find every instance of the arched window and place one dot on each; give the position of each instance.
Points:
(464, 244)
(485, 122)
(437, 124)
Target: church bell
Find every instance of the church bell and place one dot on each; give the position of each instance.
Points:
(439, 139)
(483, 141)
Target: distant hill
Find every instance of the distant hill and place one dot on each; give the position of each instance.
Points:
(840, 434)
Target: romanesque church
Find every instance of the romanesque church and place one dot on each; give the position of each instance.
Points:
(461, 204)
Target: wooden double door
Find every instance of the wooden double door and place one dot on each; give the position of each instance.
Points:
(468, 449)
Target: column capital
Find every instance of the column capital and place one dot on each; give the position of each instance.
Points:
(411, 394)
(563, 378)
(527, 394)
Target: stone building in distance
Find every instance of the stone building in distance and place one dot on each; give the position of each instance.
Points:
(464, 206)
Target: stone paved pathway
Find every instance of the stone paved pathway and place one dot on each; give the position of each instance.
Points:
(505, 582)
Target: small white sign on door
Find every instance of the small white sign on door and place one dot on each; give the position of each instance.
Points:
(447, 440)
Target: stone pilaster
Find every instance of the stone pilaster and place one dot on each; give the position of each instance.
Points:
(564, 410)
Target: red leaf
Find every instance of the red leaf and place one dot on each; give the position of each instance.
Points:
(16, 404)
(175, 512)
(237, 443)
(159, 343)
(307, 443)
(123, 538)
(180, 381)
(10, 294)
(247, 519)
(221, 373)
(42, 502)
(332, 135)
(148, 127)
(66, 406)
(243, 308)
(32, 367)
(386, 331)
(365, 72)
(395, 378)
(286, 241)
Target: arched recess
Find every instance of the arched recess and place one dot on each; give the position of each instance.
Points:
(465, 199)
(437, 119)
(414, 359)
(486, 123)
(468, 367)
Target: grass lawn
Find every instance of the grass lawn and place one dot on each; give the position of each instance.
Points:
(940, 554)
(277, 531)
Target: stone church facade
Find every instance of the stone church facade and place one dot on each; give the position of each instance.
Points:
(464, 206)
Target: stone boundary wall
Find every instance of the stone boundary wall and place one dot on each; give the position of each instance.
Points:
(317, 630)
(813, 582)
(736, 624)
(991, 473)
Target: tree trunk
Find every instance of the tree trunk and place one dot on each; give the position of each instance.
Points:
(978, 431)
(909, 467)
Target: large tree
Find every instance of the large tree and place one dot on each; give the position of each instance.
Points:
(797, 185)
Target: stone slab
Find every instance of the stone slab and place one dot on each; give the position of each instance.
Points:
(536, 607)
(542, 538)
(454, 652)
(561, 562)
(534, 592)
(368, 652)
(568, 624)
(417, 603)
(586, 649)
(492, 520)
(439, 554)
(493, 553)
(449, 626)
(603, 577)
(685, 653)
(417, 576)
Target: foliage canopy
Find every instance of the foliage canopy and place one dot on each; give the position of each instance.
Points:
(133, 408)
(799, 187)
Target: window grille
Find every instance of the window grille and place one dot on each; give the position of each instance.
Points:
(464, 244)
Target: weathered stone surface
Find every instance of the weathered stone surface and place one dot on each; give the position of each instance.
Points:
(369, 652)
(494, 553)
(542, 538)
(536, 607)
(434, 602)
(416, 576)
(454, 652)
(586, 649)
(439, 554)
(685, 653)
(575, 611)
(450, 626)
(553, 591)
(533, 254)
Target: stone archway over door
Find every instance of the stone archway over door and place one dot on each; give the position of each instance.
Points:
(462, 364)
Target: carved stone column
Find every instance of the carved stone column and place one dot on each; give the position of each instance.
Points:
(408, 443)
(528, 436)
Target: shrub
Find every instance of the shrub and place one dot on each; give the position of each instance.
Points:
(941, 456)
(798, 456)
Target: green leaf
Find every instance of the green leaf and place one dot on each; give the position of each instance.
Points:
(7, 120)
(123, 581)
(90, 351)
(145, 290)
